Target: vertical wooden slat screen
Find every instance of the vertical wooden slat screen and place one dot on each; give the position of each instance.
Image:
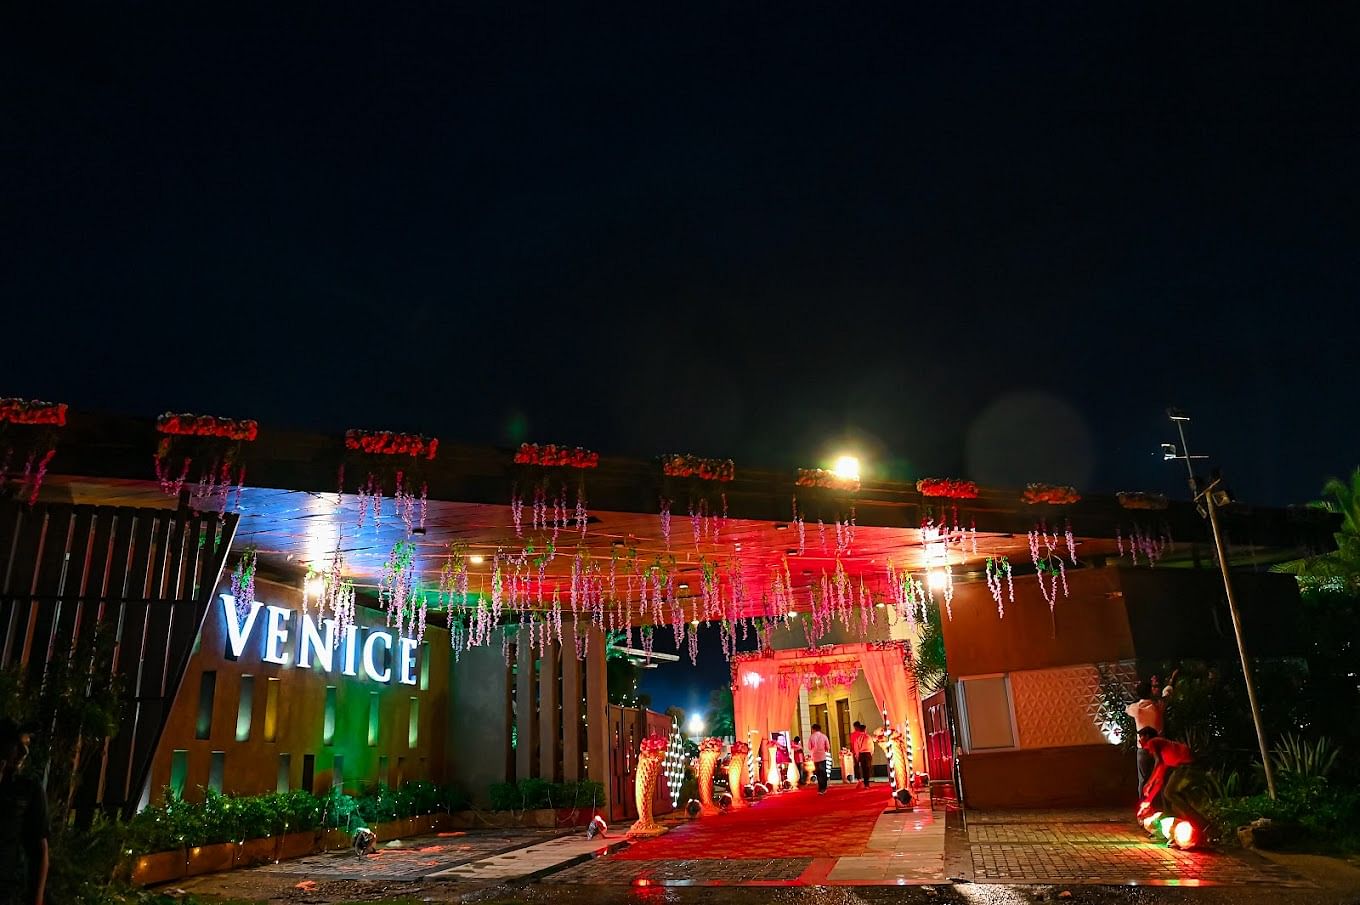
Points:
(148, 576)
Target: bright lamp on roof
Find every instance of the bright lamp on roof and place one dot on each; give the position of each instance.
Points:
(846, 467)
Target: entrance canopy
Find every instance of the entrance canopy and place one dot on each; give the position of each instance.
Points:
(766, 685)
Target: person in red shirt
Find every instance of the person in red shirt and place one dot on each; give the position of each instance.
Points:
(1168, 787)
(862, 747)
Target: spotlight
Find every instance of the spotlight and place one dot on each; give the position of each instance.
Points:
(597, 827)
(692, 807)
(846, 467)
(476, 559)
(725, 800)
(364, 841)
(749, 792)
(903, 797)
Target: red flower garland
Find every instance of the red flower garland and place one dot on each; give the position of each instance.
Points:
(688, 466)
(1155, 501)
(655, 744)
(1053, 494)
(951, 488)
(740, 749)
(33, 411)
(820, 477)
(189, 425)
(711, 744)
(550, 455)
(391, 443)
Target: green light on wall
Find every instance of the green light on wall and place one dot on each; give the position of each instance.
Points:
(374, 718)
(413, 732)
(328, 721)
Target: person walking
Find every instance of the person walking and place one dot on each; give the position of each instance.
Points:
(863, 748)
(819, 749)
(1149, 712)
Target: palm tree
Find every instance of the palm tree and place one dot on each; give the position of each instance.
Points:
(1343, 564)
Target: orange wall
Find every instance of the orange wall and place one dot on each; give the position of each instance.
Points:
(251, 767)
(1090, 626)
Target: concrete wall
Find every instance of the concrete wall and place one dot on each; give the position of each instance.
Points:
(252, 766)
(479, 726)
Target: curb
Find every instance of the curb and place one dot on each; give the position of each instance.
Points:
(571, 862)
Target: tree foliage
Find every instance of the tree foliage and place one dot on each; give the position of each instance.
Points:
(932, 671)
(721, 718)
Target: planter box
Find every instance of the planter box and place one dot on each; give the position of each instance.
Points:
(257, 851)
(210, 859)
(162, 867)
(334, 839)
(545, 818)
(296, 845)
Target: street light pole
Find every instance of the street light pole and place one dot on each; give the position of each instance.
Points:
(1208, 496)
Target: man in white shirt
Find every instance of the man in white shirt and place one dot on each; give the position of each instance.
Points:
(1149, 711)
(819, 748)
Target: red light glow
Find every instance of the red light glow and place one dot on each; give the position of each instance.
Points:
(1183, 833)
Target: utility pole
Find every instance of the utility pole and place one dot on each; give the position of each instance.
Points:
(1169, 453)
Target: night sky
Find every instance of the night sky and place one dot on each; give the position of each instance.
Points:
(993, 242)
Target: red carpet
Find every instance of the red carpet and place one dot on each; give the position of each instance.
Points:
(798, 824)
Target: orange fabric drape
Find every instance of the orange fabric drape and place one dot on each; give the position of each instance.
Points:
(891, 687)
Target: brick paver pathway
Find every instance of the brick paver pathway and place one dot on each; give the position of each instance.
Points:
(1091, 847)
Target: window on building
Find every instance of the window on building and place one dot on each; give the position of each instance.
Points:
(988, 720)
(413, 729)
(374, 718)
(285, 773)
(245, 708)
(308, 772)
(328, 719)
(271, 710)
(207, 690)
(383, 769)
(216, 768)
(179, 771)
(338, 772)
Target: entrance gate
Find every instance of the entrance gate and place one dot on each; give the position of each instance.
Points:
(628, 726)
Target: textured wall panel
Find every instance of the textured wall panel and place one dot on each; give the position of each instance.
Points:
(1061, 707)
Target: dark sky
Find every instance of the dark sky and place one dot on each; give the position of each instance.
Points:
(989, 241)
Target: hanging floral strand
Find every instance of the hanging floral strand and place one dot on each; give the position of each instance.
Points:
(243, 582)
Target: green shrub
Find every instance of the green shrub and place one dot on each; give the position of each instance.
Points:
(229, 818)
(1327, 814)
(534, 794)
(1305, 758)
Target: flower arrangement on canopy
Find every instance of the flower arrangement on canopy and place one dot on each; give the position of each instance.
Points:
(1051, 494)
(215, 443)
(690, 466)
(391, 443)
(33, 412)
(28, 434)
(550, 455)
(1141, 500)
(825, 479)
(948, 488)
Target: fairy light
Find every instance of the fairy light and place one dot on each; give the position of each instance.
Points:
(673, 766)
